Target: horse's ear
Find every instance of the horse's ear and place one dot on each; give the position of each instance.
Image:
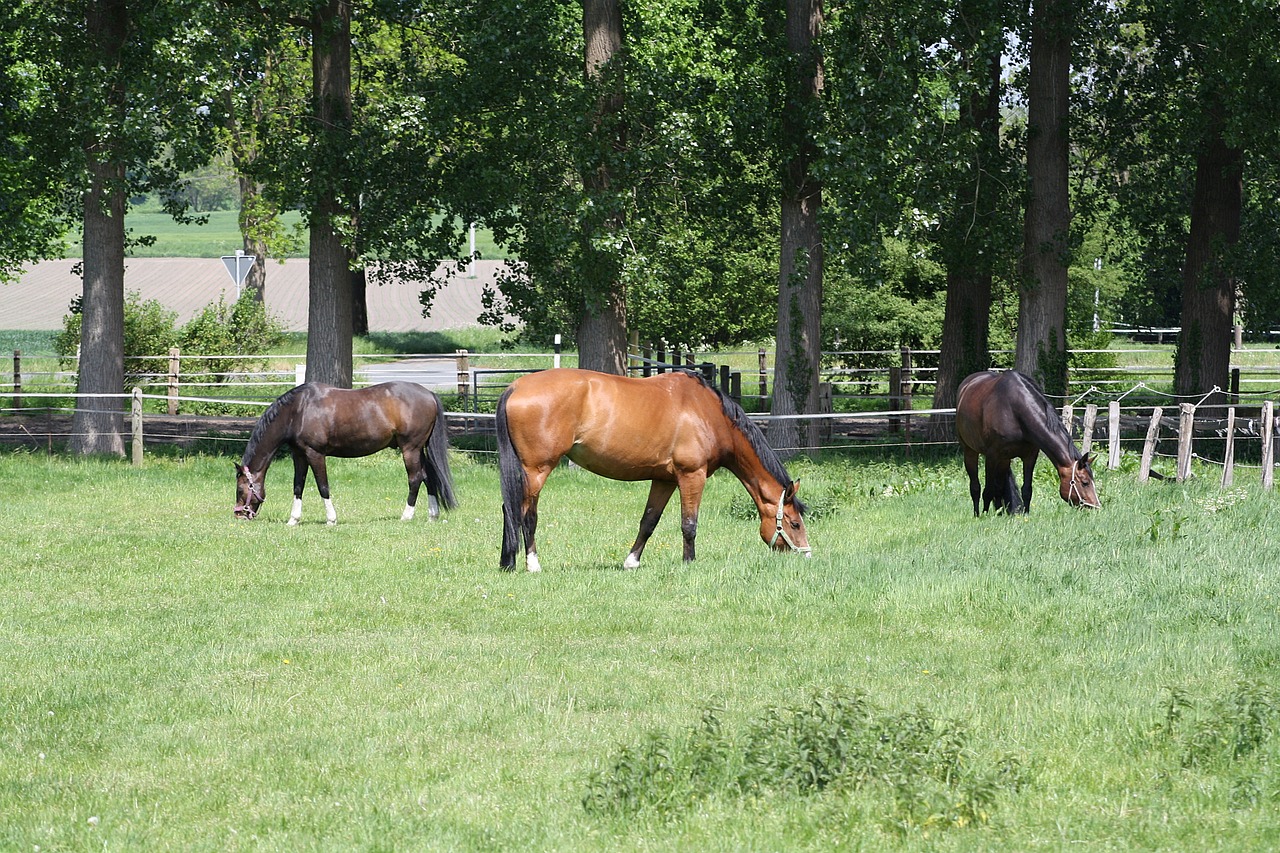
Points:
(1088, 459)
(792, 489)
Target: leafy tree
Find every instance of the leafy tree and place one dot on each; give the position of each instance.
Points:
(796, 364)
(123, 79)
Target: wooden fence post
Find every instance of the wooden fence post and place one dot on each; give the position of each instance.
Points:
(1235, 386)
(1149, 446)
(1186, 433)
(1268, 445)
(136, 418)
(1113, 435)
(662, 358)
(633, 351)
(735, 386)
(175, 364)
(1090, 418)
(17, 379)
(464, 374)
(1069, 418)
(647, 368)
(895, 397)
(1229, 452)
(764, 372)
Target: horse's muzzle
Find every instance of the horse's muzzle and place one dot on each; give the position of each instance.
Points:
(244, 512)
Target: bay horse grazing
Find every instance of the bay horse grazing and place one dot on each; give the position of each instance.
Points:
(1004, 416)
(673, 429)
(319, 420)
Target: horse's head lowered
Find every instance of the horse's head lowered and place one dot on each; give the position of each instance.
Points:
(251, 491)
(784, 530)
(1076, 483)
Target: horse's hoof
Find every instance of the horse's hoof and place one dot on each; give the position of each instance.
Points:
(293, 522)
(331, 522)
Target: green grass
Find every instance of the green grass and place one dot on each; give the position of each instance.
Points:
(218, 235)
(175, 679)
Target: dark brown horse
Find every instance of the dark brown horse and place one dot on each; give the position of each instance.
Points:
(318, 420)
(673, 429)
(1004, 416)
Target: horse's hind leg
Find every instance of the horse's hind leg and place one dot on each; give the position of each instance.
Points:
(659, 494)
(413, 468)
(998, 494)
(534, 480)
(975, 486)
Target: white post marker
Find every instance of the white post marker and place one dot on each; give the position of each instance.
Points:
(238, 266)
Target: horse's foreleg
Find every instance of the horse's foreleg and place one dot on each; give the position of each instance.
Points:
(1028, 468)
(975, 485)
(299, 483)
(321, 473)
(690, 499)
(659, 493)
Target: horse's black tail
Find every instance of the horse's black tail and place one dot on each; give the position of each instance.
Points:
(435, 461)
(1013, 506)
(511, 475)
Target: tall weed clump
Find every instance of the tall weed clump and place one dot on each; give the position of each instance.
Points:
(835, 741)
(1231, 738)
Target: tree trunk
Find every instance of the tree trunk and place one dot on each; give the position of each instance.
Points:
(359, 301)
(799, 337)
(971, 245)
(1042, 307)
(1208, 289)
(602, 326)
(98, 423)
(329, 282)
(251, 228)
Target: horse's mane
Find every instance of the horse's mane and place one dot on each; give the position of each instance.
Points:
(284, 401)
(1049, 414)
(754, 435)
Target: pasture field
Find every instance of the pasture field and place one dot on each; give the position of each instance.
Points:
(175, 679)
(220, 234)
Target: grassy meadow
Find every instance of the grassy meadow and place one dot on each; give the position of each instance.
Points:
(175, 679)
(219, 234)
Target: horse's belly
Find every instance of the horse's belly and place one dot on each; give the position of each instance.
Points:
(618, 466)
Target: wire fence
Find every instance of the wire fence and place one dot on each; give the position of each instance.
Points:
(1181, 430)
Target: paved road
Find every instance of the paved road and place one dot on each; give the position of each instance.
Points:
(41, 297)
(432, 372)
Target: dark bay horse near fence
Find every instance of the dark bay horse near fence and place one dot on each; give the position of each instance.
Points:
(319, 420)
(1004, 416)
(673, 429)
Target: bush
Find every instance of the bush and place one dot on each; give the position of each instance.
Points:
(237, 336)
(148, 331)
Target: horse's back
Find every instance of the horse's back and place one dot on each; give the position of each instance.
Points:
(616, 426)
(360, 421)
(991, 411)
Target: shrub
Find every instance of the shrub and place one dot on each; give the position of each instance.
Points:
(148, 332)
(237, 336)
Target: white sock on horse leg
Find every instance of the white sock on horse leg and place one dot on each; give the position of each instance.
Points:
(331, 515)
(296, 515)
(632, 562)
(531, 562)
(407, 515)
